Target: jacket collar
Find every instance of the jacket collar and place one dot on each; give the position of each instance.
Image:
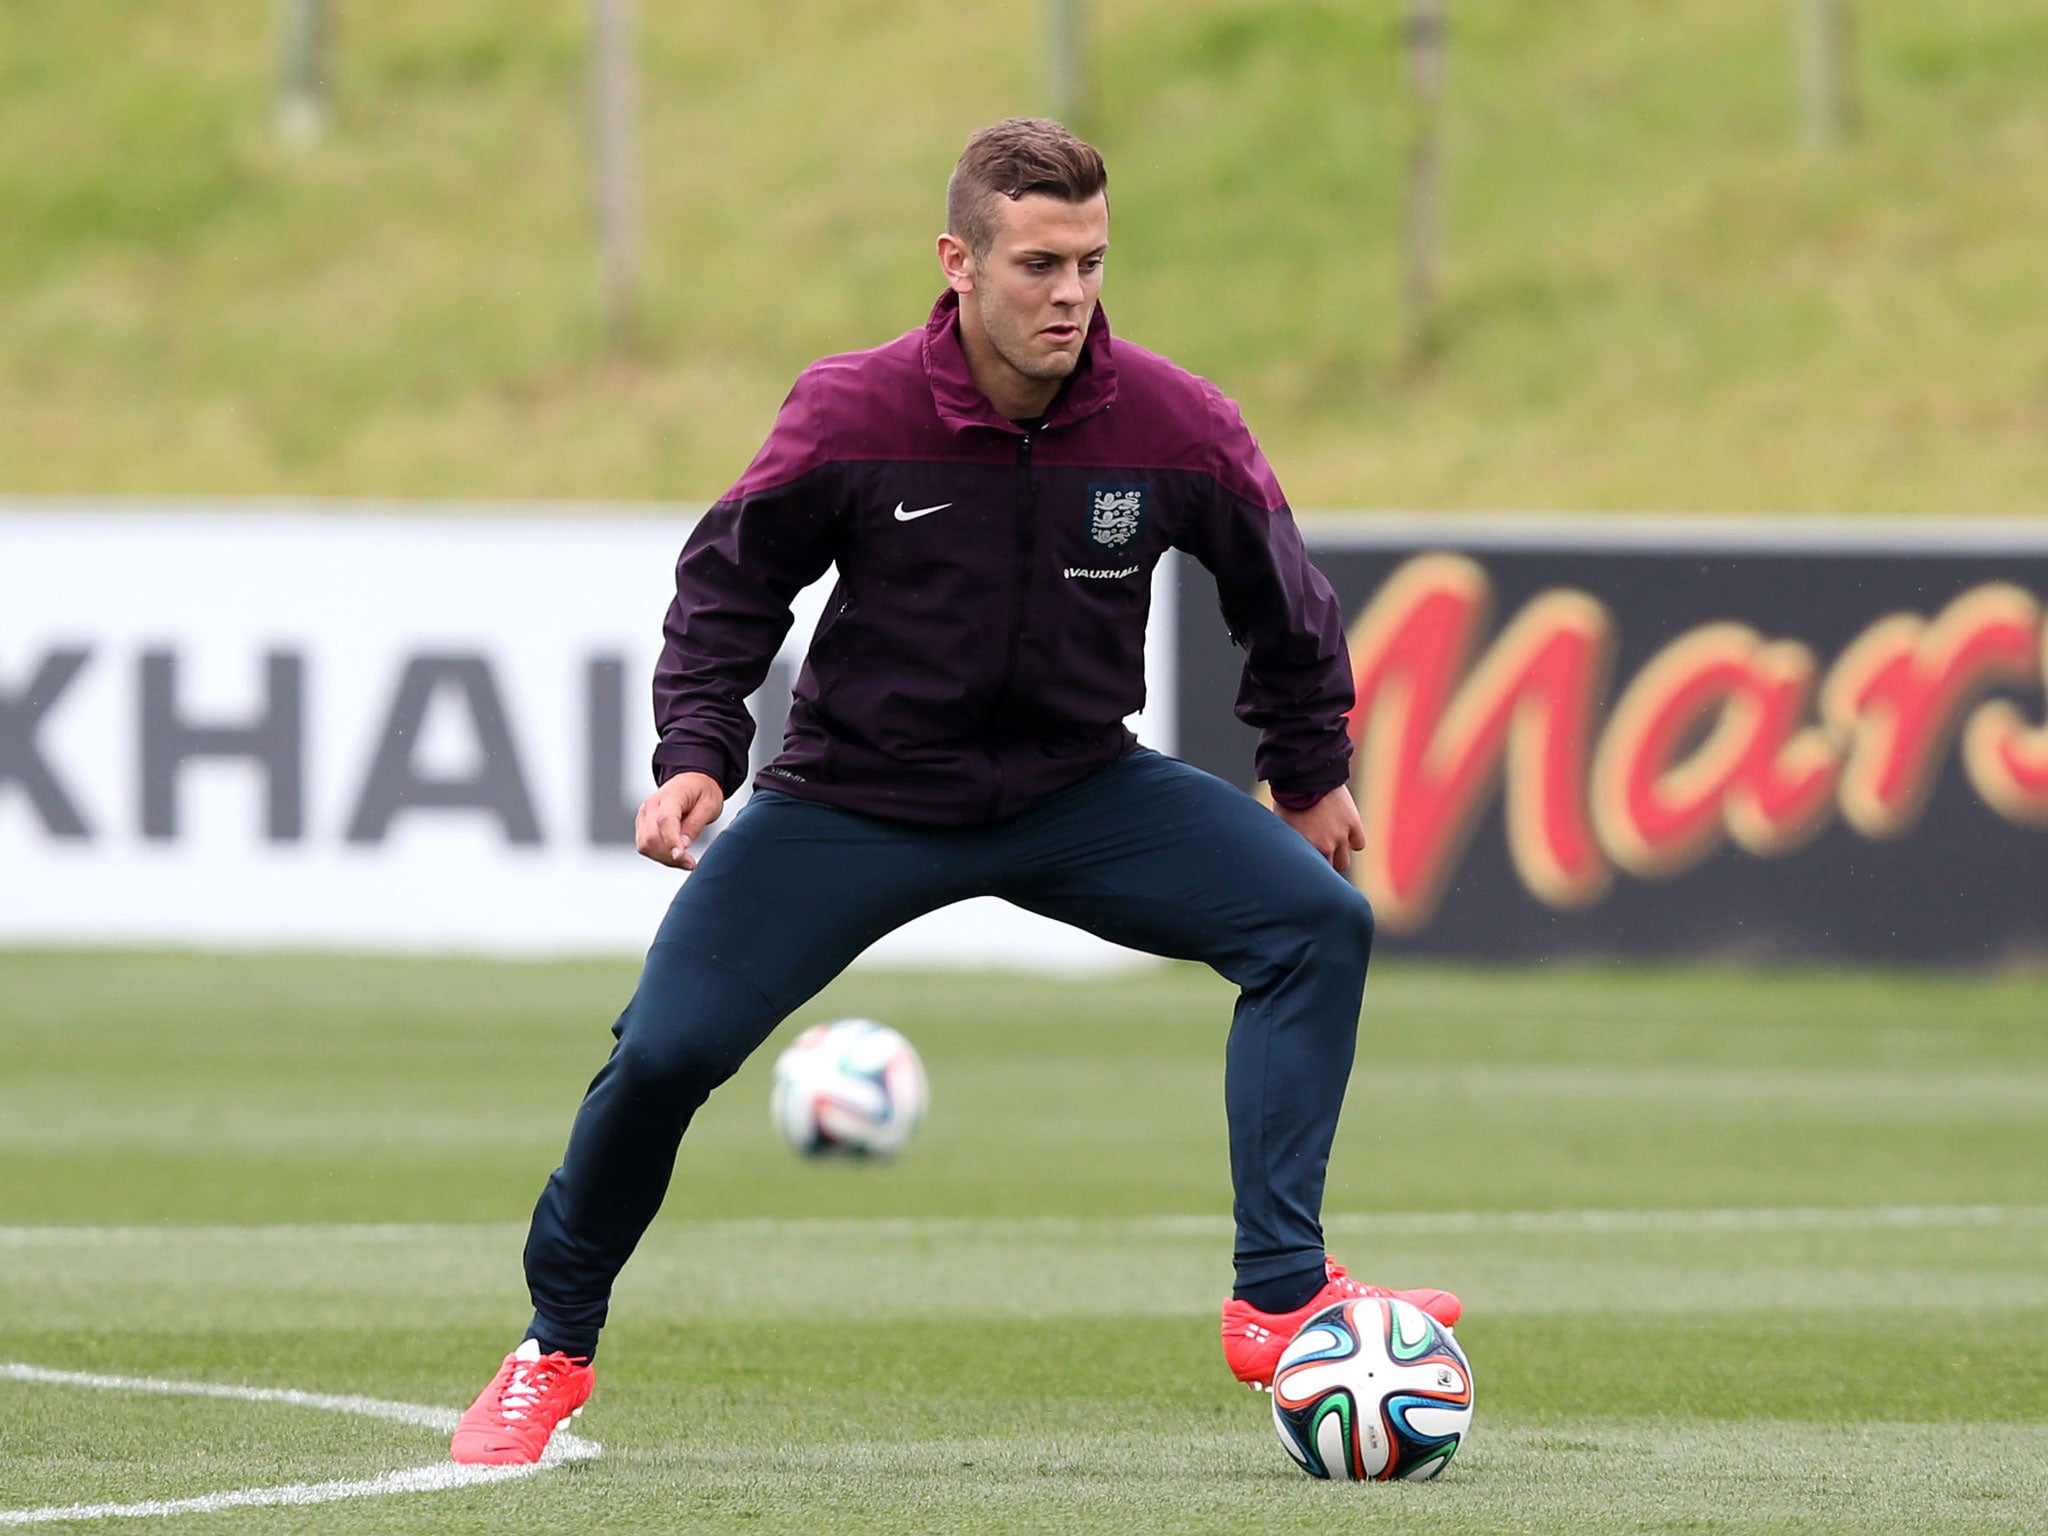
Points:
(962, 405)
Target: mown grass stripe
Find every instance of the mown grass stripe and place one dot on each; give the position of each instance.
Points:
(1393, 1224)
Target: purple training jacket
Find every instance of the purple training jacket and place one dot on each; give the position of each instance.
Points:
(986, 637)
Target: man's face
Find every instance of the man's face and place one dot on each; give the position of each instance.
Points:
(1025, 304)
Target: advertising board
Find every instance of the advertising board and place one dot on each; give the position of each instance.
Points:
(1811, 739)
(427, 729)
(413, 728)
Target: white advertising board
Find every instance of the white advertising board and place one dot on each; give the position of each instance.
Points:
(368, 727)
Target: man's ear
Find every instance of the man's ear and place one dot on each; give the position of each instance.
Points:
(956, 262)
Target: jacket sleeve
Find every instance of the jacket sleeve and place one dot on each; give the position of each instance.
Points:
(768, 538)
(1297, 686)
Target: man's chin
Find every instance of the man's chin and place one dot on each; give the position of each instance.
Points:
(1058, 365)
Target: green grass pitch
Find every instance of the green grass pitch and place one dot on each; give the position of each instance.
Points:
(1741, 1252)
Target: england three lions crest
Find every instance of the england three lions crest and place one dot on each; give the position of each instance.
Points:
(1115, 514)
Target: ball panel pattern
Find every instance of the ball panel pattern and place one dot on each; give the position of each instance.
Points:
(1372, 1389)
(852, 1088)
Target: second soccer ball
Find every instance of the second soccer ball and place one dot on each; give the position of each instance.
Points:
(852, 1087)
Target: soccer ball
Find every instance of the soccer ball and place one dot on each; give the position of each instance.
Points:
(851, 1087)
(1372, 1388)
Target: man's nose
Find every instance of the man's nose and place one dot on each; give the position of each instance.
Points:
(1069, 289)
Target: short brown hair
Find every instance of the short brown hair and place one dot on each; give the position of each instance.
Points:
(1009, 159)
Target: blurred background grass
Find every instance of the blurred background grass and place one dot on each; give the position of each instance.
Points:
(1655, 296)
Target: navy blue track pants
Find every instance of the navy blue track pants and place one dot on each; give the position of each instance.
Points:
(1149, 853)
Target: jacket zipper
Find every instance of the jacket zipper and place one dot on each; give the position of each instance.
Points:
(1026, 540)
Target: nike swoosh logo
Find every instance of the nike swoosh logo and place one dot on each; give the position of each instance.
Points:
(911, 517)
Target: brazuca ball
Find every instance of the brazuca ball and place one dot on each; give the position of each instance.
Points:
(1372, 1388)
(852, 1087)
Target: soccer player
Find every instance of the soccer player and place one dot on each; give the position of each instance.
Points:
(993, 489)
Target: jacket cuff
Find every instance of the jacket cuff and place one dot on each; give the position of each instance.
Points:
(1300, 791)
(674, 757)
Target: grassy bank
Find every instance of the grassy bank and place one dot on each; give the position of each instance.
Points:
(1655, 298)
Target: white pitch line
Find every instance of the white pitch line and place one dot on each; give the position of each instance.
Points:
(285, 1234)
(1419, 1223)
(1877, 1218)
(434, 1478)
(1389, 1223)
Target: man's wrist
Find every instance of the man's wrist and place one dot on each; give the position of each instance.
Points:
(1298, 800)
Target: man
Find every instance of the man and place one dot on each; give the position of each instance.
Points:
(994, 489)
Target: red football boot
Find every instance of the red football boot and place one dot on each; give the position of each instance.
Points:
(1253, 1340)
(510, 1422)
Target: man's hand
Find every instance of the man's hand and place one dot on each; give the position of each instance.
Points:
(1331, 826)
(674, 814)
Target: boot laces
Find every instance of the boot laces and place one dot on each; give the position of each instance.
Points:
(1339, 1275)
(526, 1382)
